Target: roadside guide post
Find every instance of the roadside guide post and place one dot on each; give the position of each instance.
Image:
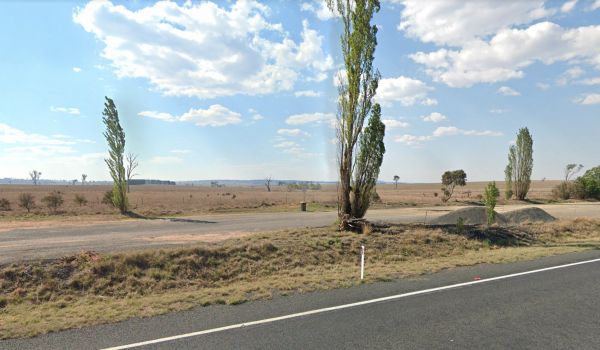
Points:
(362, 262)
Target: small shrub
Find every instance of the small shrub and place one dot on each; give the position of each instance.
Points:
(27, 201)
(4, 204)
(108, 198)
(490, 197)
(460, 225)
(80, 199)
(563, 191)
(53, 200)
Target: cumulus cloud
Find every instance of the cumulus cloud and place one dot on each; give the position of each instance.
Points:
(504, 56)
(215, 115)
(311, 118)
(590, 81)
(292, 132)
(412, 140)
(318, 8)
(588, 99)
(76, 69)
(405, 90)
(307, 93)
(395, 124)
(434, 117)
(204, 50)
(568, 6)
(68, 110)
(507, 91)
(456, 22)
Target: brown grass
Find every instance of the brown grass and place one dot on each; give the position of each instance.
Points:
(89, 288)
(188, 200)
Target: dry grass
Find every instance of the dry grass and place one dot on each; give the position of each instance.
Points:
(89, 288)
(188, 200)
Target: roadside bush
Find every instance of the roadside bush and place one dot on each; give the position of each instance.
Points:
(490, 196)
(108, 198)
(26, 201)
(564, 191)
(4, 204)
(587, 186)
(53, 200)
(80, 199)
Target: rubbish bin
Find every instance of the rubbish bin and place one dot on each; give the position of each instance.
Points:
(302, 206)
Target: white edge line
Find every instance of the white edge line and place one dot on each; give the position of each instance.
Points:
(344, 306)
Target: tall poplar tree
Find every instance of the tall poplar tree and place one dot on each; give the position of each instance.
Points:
(115, 137)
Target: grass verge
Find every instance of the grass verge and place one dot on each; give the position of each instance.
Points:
(89, 288)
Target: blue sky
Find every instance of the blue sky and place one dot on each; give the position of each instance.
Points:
(245, 90)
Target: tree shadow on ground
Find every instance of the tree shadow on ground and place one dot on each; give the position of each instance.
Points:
(144, 217)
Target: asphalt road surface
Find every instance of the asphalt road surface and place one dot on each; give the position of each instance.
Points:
(47, 242)
(550, 309)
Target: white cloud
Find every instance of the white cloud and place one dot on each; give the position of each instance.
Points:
(507, 91)
(257, 117)
(412, 140)
(165, 160)
(286, 144)
(543, 86)
(456, 22)
(319, 8)
(76, 69)
(595, 5)
(167, 117)
(588, 99)
(498, 111)
(395, 124)
(292, 132)
(215, 115)
(10, 135)
(203, 50)
(68, 110)
(505, 55)
(181, 151)
(569, 75)
(590, 81)
(405, 90)
(311, 118)
(434, 117)
(568, 6)
(307, 93)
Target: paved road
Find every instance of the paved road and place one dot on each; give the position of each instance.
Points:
(25, 244)
(556, 309)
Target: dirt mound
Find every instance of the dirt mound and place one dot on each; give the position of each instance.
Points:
(470, 216)
(524, 215)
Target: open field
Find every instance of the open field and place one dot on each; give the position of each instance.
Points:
(192, 200)
(90, 288)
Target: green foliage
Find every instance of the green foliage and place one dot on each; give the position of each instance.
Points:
(303, 186)
(368, 163)
(520, 163)
(396, 179)
(80, 200)
(460, 225)
(490, 197)
(53, 200)
(508, 191)
(356, 89)
(451, 179)
(4, 204)
(587, 186)
(108, 198)
(26, 201)
(115, 137)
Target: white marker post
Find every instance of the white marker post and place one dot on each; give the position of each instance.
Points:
(362, 262)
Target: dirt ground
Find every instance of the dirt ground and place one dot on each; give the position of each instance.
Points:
(190, 200)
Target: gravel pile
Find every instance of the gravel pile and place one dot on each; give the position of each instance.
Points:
(477, 216)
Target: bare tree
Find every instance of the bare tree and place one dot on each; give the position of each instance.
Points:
(35, 176)
(268, 183)
(132, 164)
(74, 182)
(83, 178)
(571, 170)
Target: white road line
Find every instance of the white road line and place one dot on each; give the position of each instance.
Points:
(345, 306)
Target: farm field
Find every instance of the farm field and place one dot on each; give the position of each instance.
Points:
(150, 200)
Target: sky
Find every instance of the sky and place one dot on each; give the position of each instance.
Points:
(247, 89)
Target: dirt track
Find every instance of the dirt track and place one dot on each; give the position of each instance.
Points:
(46, 242)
